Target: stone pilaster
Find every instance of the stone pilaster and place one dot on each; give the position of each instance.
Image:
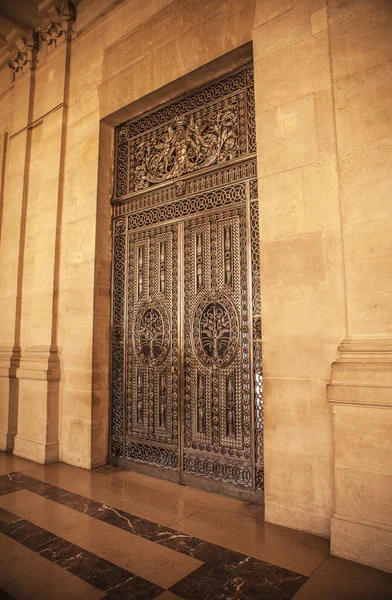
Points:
(39, 377)
(361, 395)
(9, 362)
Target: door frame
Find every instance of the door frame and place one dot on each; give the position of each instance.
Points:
(255, 495)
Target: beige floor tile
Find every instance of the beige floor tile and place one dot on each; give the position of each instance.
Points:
(299, 552)
(9, 463)
(149, 560)
(181, 491)
(68, 477)
(71, 588)
(255, 511)
(338, 579)
(45, 513)
(154, 505)
(23, 572)
(168, 596)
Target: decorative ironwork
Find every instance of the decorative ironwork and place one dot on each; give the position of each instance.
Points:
(195, 185)
(206, 128)
(215, 330)
(140, 399)
(188, 206)
(162, 274)
(152, 455)
(187, 144)
(230, 400)
(186, 184)
(201, 408)
(118, 338)
(228, 257)
(151, 334)
(216, 336)
(257, 348)
(219, 470)
(152, 392)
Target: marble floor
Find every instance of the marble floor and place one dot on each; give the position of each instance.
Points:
(70, 534)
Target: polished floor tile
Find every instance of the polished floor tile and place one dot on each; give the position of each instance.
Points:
(9, 463)
(254, 511)
(168, 596)
(70, 588)
(7, 484)
(117, 582)
(70, 534)
(157, 564)
(69, 478)
(339, 579)
(162, 566)
(144, 502)
(49, 515)
(23, 572)
(286, 548)
(248, 580)
(180, 491)
(5, 596)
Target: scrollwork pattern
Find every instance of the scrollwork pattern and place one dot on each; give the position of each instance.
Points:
(212, 468)
(257, 348)
(188, 206)
(146, 453)
(185, 145)
(118, 342)
(206, 128)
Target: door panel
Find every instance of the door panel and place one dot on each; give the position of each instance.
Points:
(217, 354)
(152, 347)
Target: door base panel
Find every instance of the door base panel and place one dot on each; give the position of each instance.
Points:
(145, 469)
(195, 481)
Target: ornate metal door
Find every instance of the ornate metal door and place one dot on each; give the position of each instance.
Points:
(186, 336)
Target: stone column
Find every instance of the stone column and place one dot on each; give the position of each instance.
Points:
(361, 388)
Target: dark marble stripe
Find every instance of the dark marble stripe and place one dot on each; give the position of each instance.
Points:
(118, 583)
(5, 596)
(226, 573)
(165, 536)
(250, 579)
(8, 484)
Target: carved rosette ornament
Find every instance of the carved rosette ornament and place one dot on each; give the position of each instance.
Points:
(215, 330)
(25, 54)
(53, 30)
(57, 27)
(151, 334)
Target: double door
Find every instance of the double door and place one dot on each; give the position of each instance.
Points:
(186, 341)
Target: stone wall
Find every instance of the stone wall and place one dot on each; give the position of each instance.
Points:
(323, 85)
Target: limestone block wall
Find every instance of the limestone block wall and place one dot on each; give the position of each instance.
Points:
(322, 74)
(302, 270)
(360, 393)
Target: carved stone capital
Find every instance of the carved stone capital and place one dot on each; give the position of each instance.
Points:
(25, 54)
(58, 26)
